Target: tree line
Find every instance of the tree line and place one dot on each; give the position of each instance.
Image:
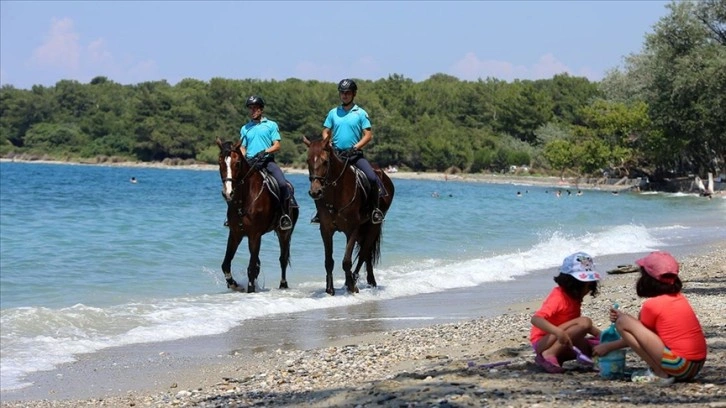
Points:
(662, 114)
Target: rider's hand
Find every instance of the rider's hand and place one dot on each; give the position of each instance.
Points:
(261, 155)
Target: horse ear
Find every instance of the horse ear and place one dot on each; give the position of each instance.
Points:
(219, 142)
(237, 145)
(306, 141)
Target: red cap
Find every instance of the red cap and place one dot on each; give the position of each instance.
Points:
(658, 264)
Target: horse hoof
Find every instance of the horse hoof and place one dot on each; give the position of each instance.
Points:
(250, 288)
(330, 292)
(283, 285)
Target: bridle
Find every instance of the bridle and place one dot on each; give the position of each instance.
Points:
(227, 155)
(324, 179)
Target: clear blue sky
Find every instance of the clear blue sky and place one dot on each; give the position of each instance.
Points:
(42, 42)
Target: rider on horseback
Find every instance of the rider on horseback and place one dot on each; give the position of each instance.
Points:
(260, 139)
(350, 129)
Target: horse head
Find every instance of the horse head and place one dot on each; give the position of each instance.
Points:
(231, 162)
(321, 161)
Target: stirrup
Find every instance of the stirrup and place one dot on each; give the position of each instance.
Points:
(285, 222)
(377, 216)
(315, 219)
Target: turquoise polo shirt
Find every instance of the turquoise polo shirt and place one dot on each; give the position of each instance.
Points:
(257, 137)
(347, 126)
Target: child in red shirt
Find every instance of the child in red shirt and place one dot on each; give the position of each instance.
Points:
(558, 329)
(667, 335)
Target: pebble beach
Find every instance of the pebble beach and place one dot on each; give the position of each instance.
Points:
(474, 363)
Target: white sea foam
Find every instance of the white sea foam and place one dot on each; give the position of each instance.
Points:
(36, 338)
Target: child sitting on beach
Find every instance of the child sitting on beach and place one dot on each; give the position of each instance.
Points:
(558, 327)
(667, 335)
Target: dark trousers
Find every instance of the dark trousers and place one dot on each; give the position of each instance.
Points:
(275, 171)
(363, 164)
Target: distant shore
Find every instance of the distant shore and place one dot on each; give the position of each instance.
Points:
(524, 180)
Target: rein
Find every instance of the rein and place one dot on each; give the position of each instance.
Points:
(241, 181)
(325, 182)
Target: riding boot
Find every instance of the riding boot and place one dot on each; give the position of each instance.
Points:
(377, 216)
(285, 220)
(381, 190)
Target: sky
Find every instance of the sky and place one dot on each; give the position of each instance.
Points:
(43, 42)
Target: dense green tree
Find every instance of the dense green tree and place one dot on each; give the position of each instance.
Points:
(681, 74)
(661, 114)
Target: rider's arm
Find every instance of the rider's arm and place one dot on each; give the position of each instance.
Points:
(274, 148)
(365, 139)
(326, 133)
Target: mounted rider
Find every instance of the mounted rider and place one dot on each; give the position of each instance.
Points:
(349, 129)
(260, 139)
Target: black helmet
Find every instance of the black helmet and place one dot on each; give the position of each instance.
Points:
(347, 85)
(255, 100)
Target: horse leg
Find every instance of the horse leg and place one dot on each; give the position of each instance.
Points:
(233, 242)
(370, 239)
(350, 283)
(369, 270)
(283, 238)
(253, 268)
(372, 251)
(329, 262)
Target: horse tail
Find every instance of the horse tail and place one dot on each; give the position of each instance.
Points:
(376, 247)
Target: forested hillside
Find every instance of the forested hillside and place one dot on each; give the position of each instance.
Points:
(662, 114)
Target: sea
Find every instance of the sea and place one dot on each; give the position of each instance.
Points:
(90, 261)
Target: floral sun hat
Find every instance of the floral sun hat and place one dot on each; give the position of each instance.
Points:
(581, 266)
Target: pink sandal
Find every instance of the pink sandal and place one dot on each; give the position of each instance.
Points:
(550, 365)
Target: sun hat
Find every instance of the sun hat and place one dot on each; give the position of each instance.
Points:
(659, 263)
(580, 265)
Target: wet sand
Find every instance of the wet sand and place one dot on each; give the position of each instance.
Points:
(416, 351)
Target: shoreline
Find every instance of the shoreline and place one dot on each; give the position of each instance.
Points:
(528, 180)
(419, 366)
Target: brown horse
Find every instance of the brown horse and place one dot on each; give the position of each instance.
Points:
(252, 211)
(345, 205)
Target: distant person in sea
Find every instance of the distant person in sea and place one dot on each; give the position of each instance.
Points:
(260, 140)
(133, 180)
(348, 127)
(558, 325)
(519, 193)
(667, 334)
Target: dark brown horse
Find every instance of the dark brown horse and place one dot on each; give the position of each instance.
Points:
(252, 211)
(344, 204)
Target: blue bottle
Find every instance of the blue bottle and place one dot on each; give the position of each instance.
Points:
(612, 365)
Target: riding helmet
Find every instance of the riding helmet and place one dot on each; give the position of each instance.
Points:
(347, 85)
(255, 100)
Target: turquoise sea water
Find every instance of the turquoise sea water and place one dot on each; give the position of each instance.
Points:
(89, 260)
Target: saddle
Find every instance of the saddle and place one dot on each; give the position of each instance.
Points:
(360, 178)
(271, 184)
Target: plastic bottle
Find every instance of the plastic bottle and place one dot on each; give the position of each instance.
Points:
(612, 364)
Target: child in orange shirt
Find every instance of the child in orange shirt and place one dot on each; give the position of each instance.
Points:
(667, 335)
(558, 329)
